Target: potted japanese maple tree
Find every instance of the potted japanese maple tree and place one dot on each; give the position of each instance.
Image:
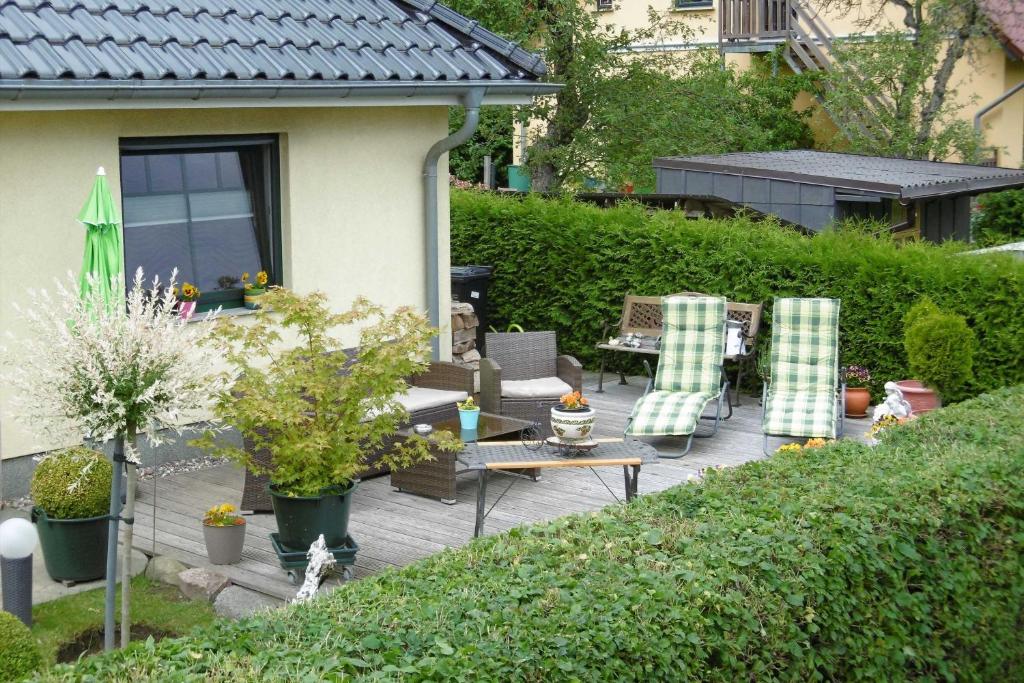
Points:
(319, 411)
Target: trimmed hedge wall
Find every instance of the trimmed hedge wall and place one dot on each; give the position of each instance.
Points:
(565, 266)
(840, 563)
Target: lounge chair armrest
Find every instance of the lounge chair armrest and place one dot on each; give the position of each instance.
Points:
(570, 371)
(445, 375)
(490, 386)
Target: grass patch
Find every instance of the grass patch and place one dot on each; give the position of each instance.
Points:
(162, 608)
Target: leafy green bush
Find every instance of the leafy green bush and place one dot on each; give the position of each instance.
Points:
(940, 347)
(1000, 218)
(19, 654)
(840, 563)
(535, 244)
(73, 484)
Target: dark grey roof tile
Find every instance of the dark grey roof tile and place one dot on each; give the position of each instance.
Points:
(405, 40)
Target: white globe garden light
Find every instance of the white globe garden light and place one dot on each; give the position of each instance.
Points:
(18, 538)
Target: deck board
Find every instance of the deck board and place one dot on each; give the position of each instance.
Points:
(394, 529)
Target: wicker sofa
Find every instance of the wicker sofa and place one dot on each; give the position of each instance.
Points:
(431, 398)
(523, 376)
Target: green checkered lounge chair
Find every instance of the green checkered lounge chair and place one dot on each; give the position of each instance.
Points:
(803, 397)
(690, 371)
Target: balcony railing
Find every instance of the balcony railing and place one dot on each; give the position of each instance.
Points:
(756, 20)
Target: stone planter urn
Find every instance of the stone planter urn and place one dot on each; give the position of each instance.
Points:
(224, 543)
(572, 424)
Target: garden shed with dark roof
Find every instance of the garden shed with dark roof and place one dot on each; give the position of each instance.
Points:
(813, 189)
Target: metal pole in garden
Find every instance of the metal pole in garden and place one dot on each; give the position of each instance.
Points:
(126, 563)
(115, 511)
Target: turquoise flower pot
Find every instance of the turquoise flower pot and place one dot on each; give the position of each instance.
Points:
(469, 418)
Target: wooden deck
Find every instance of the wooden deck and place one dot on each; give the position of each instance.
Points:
(394, 529)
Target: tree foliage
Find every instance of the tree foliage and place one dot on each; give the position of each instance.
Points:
(621, 107)
(319, 410)
(999, 219)
(893, 93)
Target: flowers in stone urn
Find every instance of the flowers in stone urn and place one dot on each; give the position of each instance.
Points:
(572, 420)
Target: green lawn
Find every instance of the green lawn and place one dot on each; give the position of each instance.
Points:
(153, 603)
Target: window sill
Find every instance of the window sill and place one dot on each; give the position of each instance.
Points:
(237, 312)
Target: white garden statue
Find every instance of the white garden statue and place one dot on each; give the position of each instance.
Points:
(321, 562)
(894, 404)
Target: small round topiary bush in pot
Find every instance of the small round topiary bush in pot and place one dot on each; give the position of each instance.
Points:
(71, 490)
(19, 654)
(940, 348)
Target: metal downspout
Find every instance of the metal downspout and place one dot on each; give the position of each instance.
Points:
(995, 103)
(471, 102)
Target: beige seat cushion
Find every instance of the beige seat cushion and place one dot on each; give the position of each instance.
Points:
(545, 387)
(422, 398)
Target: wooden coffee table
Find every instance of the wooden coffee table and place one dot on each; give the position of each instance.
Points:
(436, 478)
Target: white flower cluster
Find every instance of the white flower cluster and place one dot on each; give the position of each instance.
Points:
(90, 369)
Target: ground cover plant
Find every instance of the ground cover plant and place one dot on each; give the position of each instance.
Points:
(59, 625)
(842, 562)
(534, 243)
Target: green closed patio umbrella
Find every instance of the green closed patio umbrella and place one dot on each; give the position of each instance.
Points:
(104, 260)
(104, 253)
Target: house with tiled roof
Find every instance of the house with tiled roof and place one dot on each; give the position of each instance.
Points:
(298, 137)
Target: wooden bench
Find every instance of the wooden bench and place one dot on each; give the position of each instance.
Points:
(642, 315)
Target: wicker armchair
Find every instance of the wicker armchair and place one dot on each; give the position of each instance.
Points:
(440, 375)
(524, 356)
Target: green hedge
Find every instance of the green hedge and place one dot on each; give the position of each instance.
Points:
(565, 266)
(842, 563)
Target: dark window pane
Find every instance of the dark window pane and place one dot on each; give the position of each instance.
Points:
(133, 174)
(201, 171)
(230, 170)
(158, 249)
(165, 173)
(194, 211)
(224, 248)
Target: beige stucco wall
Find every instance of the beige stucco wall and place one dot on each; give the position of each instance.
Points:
(352, 200)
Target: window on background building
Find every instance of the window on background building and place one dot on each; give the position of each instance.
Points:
(604, 4)
(206, 206)
(693, 4)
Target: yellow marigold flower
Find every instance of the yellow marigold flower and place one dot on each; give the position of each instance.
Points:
(245, 275)
(261, 278)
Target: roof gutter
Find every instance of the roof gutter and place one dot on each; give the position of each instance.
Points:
(471, 102)
(86, 93)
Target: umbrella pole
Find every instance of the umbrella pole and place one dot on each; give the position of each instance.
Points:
(126, 562)
(115, 511)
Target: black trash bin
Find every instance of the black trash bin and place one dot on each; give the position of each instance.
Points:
(469, 285)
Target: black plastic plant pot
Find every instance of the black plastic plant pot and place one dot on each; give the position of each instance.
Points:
(301, 519)
(73, 549)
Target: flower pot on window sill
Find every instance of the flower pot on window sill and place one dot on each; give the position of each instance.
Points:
(186, 309)
(252, 297)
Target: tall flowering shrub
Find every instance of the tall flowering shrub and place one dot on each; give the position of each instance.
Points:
(87, 369)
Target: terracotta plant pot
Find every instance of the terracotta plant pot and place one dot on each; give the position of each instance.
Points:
(921, 398)
(224, 543)
(857, 401)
